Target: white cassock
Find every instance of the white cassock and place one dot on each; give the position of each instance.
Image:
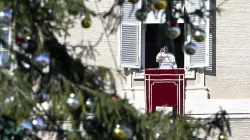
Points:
(166, 60)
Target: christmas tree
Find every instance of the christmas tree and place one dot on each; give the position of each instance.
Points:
(44, 88)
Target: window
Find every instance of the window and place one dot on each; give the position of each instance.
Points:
(201, 57)
(138, 45)
(4, 33)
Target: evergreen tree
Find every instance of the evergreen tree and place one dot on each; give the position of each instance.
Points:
(75, 93)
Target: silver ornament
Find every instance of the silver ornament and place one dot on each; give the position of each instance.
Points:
(38, 123)
(190, 48)
(128, 133)
(27, 125)
(161, 131)
(5, 16)
(157, 136)
(9, 99)
(25, 44)
(173, 32)
(199, 36)
(89, 102)
(73, 102)
(50, 10)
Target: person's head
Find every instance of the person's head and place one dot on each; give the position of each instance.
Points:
(165, 49)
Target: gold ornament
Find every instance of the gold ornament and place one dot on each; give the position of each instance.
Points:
(86, 22)
(119, 133)
(141, 15)
(160, 4)
(199, 36)
(222, 137)
(133, 1)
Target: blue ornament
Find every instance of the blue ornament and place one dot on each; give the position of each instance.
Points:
(37, 123)
(42, 98)
(43, 58)
(5, 16)
(27, 125)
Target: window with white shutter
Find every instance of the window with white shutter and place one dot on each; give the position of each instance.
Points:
(130, 36)
(201, 57)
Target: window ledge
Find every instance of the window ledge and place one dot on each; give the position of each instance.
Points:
(196, 88)
(134, 88)
(139, 77)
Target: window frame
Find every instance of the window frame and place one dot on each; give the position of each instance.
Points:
(141, 51)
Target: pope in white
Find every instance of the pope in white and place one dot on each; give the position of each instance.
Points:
(166, 59)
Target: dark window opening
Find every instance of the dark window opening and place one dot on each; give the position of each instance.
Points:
(154, 40)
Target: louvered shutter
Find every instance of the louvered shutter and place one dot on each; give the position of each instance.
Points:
(201, 57)
(130, 36)
(212, 55)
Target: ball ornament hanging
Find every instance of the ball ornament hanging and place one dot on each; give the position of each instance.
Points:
(86, 22)
(141, 15)
(122, 132)
(190, 48)
(89, 104)
(160, 4)
(38, 123)
(119, 133)
(199, 35)
(173, 32)
(73, 102)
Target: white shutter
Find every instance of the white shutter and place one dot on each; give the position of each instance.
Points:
(130, 36)
(201, 57)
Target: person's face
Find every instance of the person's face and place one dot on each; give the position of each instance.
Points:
(165, 49)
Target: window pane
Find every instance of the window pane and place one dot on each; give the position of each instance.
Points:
(4, 58)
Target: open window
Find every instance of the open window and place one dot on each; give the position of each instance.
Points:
(139, 44)
(154, 40)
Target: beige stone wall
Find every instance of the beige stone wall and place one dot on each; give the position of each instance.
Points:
(105, 46)
(231, 59)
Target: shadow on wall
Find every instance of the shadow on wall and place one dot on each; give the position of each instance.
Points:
(211, 70)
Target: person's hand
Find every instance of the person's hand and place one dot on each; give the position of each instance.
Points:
(162, 50)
